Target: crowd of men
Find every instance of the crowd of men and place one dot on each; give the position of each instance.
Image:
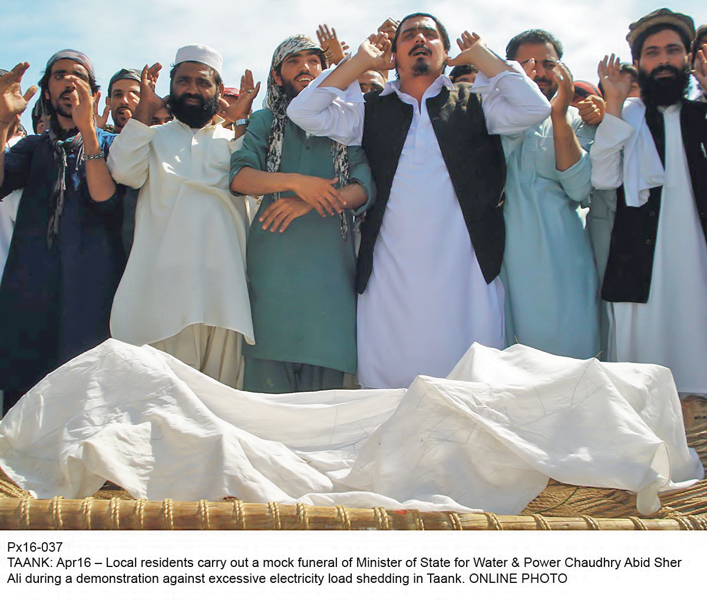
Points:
(373, 220)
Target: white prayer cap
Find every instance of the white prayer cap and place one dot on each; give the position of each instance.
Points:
(201, 54)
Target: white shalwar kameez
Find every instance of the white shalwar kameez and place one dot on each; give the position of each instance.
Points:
(671, 328)
(187, 265)
(426, 301)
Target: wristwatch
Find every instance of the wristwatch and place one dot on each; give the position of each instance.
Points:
(240, 122)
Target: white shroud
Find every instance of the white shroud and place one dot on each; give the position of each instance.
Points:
(487, 439)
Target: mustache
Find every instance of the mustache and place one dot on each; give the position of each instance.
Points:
(665, 69)
(543, 80)
(307, 73)
(416, 47)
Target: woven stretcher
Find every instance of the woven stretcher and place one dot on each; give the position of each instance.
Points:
(559, 507)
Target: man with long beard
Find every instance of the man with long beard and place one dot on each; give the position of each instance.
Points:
(655, 149)
(184, 290)
(301, 258)
(66, 256)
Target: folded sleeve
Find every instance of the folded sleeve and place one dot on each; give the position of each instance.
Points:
(360, 172)
(254, 150)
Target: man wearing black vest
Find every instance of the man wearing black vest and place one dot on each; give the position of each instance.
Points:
(432, 245)
(654, 149)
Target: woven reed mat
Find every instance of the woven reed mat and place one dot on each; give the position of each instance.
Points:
(560, 506)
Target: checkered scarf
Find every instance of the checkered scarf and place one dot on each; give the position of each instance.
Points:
(277, 101)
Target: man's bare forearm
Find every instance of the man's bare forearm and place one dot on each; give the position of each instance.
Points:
(354, 195)
(487, 62)
(252, 182)
(567, 148)
(101, 186)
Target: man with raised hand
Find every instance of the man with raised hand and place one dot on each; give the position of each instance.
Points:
(301, 257)
(66, 256)
(551, 281)
(653, 149)
(432, 245)
(123, 97)
(184, 290)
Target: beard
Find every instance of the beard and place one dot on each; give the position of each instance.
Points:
(551, 89)
(420, 67)
(196, 115)
(289, 89)
(663, 91)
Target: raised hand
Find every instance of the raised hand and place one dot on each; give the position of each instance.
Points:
(82, 110)
(700, 70)
(150, 102)
(333, 48)
(376, 53)
(529, 68)
(101, 119)
(617, 85)
(565, 89)
(241, 107)
(468, 44)
(12, 101)
(279, 215)
(319, 193)
(389, 26)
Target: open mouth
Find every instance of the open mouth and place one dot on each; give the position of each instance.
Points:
(304, 79)
(420, 51)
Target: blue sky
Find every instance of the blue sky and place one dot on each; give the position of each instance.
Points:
(131, 33)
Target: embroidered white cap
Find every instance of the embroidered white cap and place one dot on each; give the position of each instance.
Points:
(201, 54)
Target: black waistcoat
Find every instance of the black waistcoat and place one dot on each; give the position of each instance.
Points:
(474, 159)
(630, 265)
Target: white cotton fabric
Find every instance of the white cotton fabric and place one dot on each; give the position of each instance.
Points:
(671, 328)
(426, 300)
(639, 168)
(488, 439)
(187, 265)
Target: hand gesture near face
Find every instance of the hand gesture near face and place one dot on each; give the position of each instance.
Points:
(241, 107)
(376, 53)
(565, 89)
(101, 119)
(150, 102)
(333, 48)
(82, 110)
(389, 26)
(12, 101)
(617, 85)
(467, 44)
(700, 70)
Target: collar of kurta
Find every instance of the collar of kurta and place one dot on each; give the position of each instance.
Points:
(442, 81)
